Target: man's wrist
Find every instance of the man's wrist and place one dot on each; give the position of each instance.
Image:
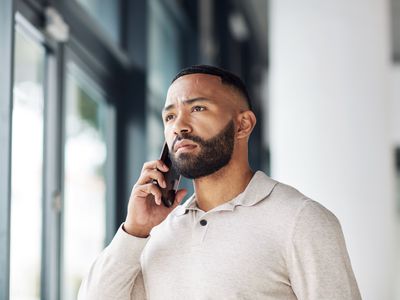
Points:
(129, 229)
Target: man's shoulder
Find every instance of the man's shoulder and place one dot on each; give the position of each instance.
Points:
(288, 201)
(281, 194)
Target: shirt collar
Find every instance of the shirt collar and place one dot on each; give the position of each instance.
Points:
(259, 188)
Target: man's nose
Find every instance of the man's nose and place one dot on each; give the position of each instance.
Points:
(181, 124)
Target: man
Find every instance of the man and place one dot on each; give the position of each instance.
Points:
(242, 235)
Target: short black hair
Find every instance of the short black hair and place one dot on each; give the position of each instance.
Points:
(227, 78)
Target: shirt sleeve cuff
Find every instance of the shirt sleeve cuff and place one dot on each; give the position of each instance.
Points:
(127, 248)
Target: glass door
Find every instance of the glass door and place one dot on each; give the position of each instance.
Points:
(27, 167)
(86, 153)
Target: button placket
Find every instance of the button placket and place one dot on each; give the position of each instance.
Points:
(200, 228)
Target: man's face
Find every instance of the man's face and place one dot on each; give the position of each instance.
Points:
(198, 124)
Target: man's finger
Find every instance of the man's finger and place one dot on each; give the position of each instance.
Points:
(155, 164)
(150, 188)
(150, 175)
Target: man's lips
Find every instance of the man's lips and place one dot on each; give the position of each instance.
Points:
(184, 145)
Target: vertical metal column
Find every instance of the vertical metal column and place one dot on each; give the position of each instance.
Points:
(52, 188)
(6, 82)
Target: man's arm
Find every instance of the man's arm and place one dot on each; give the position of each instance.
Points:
(318, 262)
(116, 273)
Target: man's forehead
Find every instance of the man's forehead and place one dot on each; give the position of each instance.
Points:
(196, 85)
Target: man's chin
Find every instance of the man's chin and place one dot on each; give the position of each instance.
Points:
(186, 165)
(185, 158)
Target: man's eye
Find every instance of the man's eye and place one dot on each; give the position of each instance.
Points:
(198, 108)
(168, 118)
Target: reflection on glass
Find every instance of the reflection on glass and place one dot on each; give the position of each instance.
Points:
(107, 15)
(85, 184)
(26, 169)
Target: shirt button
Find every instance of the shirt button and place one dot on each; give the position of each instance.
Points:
(203, 222)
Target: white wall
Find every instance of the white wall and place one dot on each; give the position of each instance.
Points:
(395, 132)
(329, 122)
(395, 104)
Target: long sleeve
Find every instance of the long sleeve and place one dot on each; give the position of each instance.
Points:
(318, 262)
(116, 273)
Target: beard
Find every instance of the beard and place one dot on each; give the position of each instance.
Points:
(215, 153)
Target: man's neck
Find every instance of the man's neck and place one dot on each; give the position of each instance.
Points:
(221, 186)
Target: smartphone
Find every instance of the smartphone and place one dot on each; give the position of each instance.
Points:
(172, 178)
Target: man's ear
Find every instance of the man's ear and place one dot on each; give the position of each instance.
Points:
(246, 123)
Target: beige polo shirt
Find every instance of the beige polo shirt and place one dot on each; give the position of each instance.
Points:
(270, 242)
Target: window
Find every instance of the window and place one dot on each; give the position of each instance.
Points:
(61, 200)
(27, 168)
(85, 179)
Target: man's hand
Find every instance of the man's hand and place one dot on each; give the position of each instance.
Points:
(145, 209)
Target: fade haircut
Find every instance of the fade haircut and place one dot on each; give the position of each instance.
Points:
(227, 78)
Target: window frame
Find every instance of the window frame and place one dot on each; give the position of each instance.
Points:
(101, 82)
(6, 83)
(29, 15)
(73, 55)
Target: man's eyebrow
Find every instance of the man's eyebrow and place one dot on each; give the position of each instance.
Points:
(186, 102)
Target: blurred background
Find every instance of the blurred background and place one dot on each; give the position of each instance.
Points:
(82, 84)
